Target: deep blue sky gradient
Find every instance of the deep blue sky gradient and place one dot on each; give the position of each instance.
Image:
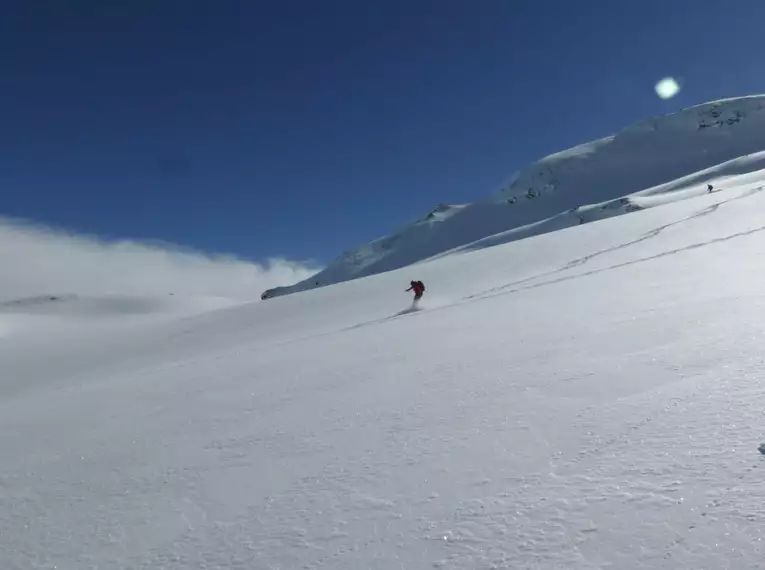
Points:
(304, 127)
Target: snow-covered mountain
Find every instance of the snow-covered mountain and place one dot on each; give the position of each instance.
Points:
(647, 164)
(587, 398)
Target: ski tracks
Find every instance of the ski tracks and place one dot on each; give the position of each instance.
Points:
(520, 285)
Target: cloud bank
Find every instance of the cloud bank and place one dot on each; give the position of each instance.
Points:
(37, 260)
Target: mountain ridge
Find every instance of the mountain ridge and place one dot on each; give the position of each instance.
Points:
(674, 155)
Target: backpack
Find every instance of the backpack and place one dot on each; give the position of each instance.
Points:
(422, 286)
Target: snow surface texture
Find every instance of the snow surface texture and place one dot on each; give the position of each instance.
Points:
(585, 399)
(674, 156)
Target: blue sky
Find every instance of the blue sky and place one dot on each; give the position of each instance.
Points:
(302, 128)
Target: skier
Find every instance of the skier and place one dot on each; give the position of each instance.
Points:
(418, 289)
(710, 188)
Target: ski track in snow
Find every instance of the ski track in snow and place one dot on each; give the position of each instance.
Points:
(653, 233)
(650, 235)
(626, 263)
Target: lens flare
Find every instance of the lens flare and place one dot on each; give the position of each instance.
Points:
(667, 88)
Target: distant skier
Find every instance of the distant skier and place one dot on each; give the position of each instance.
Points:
(418, 289)
(710, 188)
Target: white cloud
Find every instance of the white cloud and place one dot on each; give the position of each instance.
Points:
(36, 260)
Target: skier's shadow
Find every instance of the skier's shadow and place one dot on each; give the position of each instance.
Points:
(408, 311)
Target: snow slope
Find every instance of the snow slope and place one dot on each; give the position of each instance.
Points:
(584, 399)
(675, 156)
